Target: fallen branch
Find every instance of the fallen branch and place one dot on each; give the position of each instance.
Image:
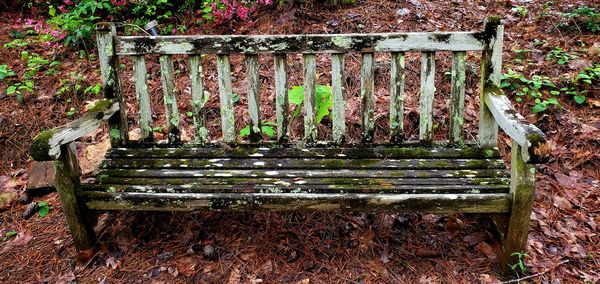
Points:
(535, 275)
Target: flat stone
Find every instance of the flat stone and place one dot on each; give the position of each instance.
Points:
(41, 178)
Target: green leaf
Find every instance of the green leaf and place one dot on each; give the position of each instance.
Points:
(580, 99)
(296, 95)
(539, 108)
(115, 134)
(43, 208)
(244, 131)
(556, 93)
(10, 233)
(268, 130)
(11, 90)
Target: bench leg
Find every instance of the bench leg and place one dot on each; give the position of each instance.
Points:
(67, 185)
(522, 179)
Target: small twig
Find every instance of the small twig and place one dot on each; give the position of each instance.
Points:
(535, 275)
(135, 26)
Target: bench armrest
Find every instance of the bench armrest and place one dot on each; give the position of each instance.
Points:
(535, 149)
(46, 145)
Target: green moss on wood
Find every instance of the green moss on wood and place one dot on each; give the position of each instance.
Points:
(100, 106)
(40, 146)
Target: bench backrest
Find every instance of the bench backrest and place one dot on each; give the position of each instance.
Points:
(489, 41)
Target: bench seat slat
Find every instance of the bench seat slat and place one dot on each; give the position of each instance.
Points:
(305, 163)
(341, 152)
(335, 43)
(279, 187)
(444, 203)
(294, 173)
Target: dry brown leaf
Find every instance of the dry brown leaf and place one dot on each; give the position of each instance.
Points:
(561, 202)
(486, 249)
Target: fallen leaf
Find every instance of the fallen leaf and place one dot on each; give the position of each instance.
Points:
(486, 249)
(561, 202)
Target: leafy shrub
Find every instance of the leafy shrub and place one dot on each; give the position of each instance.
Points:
(5, 72)
(324, 100)
(583, 18)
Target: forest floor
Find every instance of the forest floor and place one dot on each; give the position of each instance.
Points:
(211, 247)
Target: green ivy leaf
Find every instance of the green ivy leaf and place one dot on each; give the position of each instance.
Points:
(580, 99)
(244, 131)
(268, 130)
(11, 90)
(43, 209)
(296, 95)
(539, 108)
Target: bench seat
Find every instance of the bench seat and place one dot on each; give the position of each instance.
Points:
(467, 179)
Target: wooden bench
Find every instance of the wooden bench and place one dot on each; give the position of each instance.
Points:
(454, 176)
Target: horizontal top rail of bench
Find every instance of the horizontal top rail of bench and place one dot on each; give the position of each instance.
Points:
(310, 43)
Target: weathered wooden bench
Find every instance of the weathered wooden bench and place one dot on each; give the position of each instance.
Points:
(454, 176)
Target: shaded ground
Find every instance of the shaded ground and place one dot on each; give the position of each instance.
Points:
(317, 247)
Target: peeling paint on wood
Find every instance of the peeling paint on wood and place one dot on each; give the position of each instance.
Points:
(170, 101)
(310, 112)
(457, 98)
(141, 91)
(397, 97)
(111, 80)
(199, 98)
(491, 65)
(426, 96)
(338, 111)
(367, 91)
(253, 82)
(281, 97)
(225, 44)
(226, 96)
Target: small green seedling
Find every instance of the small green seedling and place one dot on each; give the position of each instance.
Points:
(520, 265)
(9, 235)
(43, 208)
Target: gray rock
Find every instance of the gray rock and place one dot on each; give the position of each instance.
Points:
(402, 12)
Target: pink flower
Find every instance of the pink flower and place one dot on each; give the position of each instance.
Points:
(68, 2)
(62, 9)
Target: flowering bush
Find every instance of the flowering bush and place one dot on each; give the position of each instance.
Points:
(222, 10)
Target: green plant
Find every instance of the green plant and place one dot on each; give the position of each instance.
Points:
(534, 88)
(560, 55)
(520, 10)
(5, 72)
(588, 76)
(521, 54)
(323, 97)
(9, 235)
(19, 89)
(267, 128)
(520, 265)
(71, 112)
(43, 208)
(585, 18)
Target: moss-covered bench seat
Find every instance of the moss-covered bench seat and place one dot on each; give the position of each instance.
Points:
(223, 172)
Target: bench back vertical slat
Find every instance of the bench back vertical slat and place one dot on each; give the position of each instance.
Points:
(457, 97)
(141, 92)
(491, 65)
(427, 91)
(338, 110)
(367, 87)
(226, 96)
(397, 97)
(253, 84)
(198, 100)
(281, 97)
(111, 81)
(170, 101)
(310, 80)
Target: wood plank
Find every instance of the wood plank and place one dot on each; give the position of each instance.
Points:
(46, 145)
(270, 186)
(308, 164)
(444, 203)
(310, 112)
(338, 110)
(491, 69)
(170, 101)
(426, 94)
(253, 82)
(226, 96)
(322, 43)
(457, 98)
(281, 97)
(270, 173)
(106, 35)
(522, 189)
(380, 152)
(68, 188)
(531, 139)
(105, 181)
(367, 91)
(397, 97)
(199, 98)
(141, 92)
